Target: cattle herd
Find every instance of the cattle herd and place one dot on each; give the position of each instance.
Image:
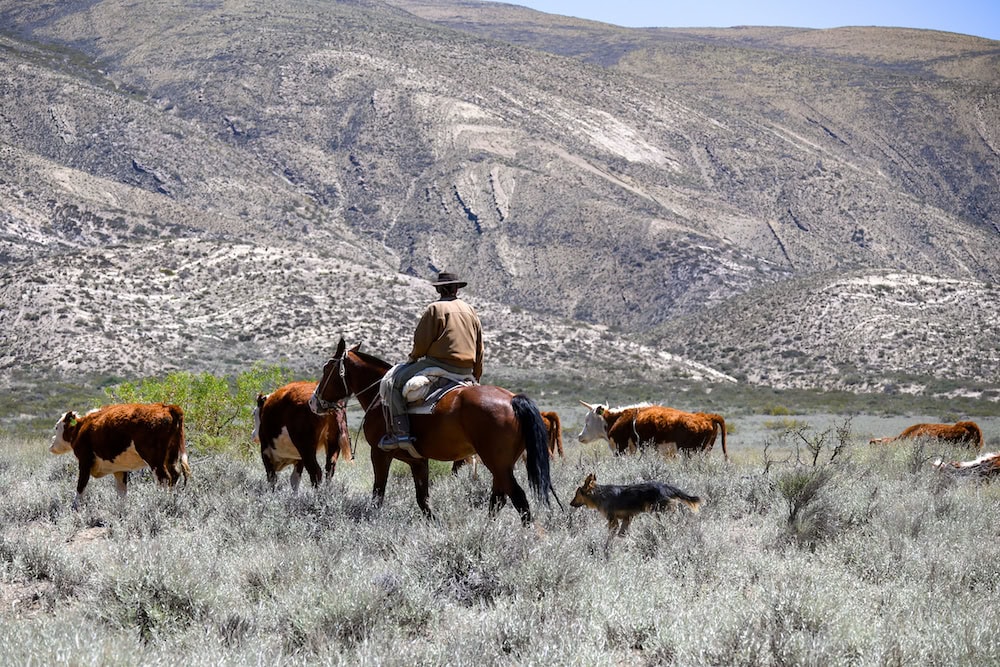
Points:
(121, 438)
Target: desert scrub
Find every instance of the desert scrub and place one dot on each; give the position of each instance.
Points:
(225, 571)
(217, 410)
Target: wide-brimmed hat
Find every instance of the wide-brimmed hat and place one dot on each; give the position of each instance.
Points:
(446, 278)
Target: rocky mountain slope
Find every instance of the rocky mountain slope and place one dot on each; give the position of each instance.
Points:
(204, 185)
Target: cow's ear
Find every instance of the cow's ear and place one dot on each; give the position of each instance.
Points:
(599, 410)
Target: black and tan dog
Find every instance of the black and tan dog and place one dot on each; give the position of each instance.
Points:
(619, 503)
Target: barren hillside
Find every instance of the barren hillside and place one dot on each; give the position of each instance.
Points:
(205, 185)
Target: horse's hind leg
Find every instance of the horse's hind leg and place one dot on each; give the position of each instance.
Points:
(421, 484)
(514, 492)
(497, 500)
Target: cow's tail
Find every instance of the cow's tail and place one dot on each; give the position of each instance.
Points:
(721, 423)
(556, 442)
(178, 426)
(536, 441)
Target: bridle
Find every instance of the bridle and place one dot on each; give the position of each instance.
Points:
(324, 405)
(341, 404)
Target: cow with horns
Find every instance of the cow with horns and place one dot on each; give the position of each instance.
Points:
(628, 428)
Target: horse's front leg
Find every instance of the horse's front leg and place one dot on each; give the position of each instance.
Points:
(421, 483)
(380, 468)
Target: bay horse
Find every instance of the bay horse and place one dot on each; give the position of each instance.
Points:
(479, 419)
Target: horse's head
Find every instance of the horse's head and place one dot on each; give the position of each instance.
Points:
(332, 388)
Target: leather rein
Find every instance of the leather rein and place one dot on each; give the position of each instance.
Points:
(326, 406)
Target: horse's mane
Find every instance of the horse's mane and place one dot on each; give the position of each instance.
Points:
(375, 361)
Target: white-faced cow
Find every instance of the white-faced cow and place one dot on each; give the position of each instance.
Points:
(631, 427)
(959, 433)
(290, 433)
(117, 439)
(987, 465)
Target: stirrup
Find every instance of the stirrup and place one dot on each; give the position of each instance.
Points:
(390, 443)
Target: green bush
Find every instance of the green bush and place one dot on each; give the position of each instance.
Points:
(218, 411)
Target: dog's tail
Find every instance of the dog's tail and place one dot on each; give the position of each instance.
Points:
(693, 502)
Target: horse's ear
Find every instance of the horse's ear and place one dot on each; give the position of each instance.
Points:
(356, 347)
(341, 346)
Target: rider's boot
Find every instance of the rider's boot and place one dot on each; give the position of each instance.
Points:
(398, 436)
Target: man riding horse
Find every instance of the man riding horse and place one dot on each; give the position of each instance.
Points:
(448, 336)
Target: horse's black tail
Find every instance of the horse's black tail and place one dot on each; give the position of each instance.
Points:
(536, 445)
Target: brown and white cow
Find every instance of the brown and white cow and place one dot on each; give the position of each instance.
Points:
(987, 465)
(117, 439)
(628, 428)
(959, 433)
(290, 433)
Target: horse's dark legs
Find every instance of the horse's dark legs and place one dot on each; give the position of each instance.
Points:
(520, 500)
(497, 500)
(380, 467)
(421, 484)
(517, 496)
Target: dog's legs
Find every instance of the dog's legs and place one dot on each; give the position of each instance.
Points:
(625, 523)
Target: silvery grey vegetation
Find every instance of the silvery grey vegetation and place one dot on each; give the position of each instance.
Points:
(836, 555)
(201, 185)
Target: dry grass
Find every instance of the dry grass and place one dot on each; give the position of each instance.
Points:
(864, 561)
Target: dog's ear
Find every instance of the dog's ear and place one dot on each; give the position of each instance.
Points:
(590, 481)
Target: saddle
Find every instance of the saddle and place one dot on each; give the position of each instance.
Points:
(423, 391)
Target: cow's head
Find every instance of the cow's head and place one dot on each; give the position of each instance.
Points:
(65, 431)
(583, 493)
(261, 399)
(594, 426)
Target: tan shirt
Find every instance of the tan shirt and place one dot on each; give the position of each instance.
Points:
(450, 331)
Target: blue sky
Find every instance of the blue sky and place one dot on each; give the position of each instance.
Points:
(969, 17)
